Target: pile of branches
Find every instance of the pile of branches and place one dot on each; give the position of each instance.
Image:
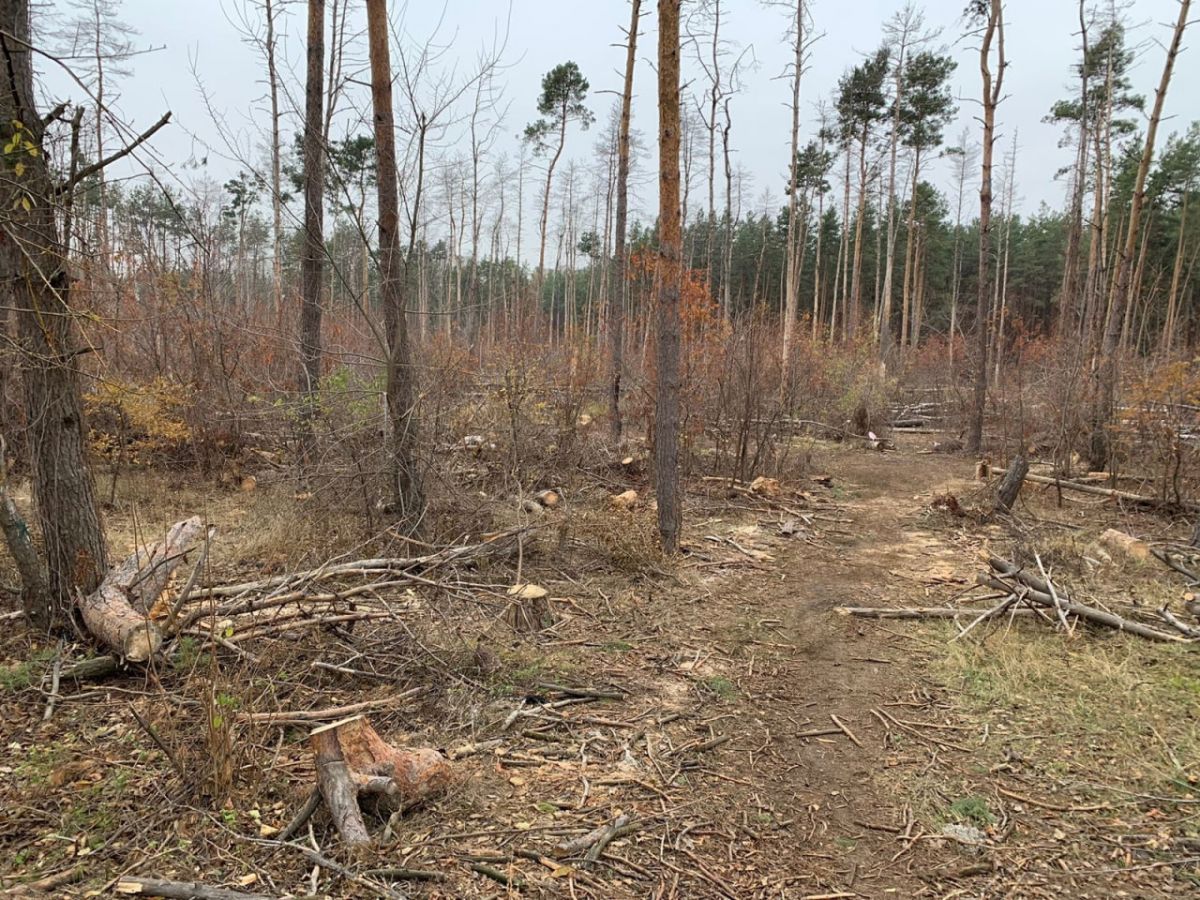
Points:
(136, 616)
(1021, 592)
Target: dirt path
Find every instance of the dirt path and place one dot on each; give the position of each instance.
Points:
(825, 806)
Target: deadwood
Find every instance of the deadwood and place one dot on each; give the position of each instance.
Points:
(118, 612)
(356, 768)
(180, 890)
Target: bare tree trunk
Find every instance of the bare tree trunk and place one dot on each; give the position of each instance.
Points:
(312, 260)
(1169, 327)
(33, 273)
(276, 188)
(795, 251)
(1100, 451)
(993, 31)
(404, 478)
(617, 302)
(666, 417)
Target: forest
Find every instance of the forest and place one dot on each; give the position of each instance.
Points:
(667, 453)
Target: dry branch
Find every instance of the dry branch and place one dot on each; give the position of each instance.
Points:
(922, 612)
(180, 890)
(1123, 496)
(1046, 595)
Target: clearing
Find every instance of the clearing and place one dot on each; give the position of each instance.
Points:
(759, 744)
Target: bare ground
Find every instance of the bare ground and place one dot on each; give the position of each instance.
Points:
(763, 746)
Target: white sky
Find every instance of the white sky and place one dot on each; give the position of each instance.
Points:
(200, 41)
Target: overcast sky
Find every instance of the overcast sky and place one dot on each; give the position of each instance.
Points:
(201, 45)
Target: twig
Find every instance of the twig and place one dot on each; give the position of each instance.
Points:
(332, 712)
(55, 675)
(850, 734)
(498, 876)
(149, 729)
(191, 582)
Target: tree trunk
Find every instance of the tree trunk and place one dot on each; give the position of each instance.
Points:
(401, 391)
(36, 285)
(993, 31)
(312, 260)
(617, 290)
(276, 198)
(1099, 452)
(1010, 487)
(795, 251)
(666, 416)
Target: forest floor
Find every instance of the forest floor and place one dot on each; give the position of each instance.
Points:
(761, 744)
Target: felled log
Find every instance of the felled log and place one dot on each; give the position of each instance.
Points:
(1014, 480)
(357, 768)
(118, 612)
(1123, 496)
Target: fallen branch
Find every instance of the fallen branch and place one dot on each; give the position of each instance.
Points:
(332, 712)
(181, 890)
(1124, 496)
(924, 612)
(1045, 595)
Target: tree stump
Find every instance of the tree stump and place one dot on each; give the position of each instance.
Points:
(529, 611)
(357, 769)
(1010, 486)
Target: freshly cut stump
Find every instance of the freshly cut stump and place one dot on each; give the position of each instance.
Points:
(357, 769)
(529, 611)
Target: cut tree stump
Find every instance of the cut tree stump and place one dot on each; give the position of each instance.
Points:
(357, 768)
(1010, 486)
(529, 611)
(118, 612)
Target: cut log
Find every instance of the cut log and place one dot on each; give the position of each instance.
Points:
(1010, 486)
(357, 768)
(118, 612)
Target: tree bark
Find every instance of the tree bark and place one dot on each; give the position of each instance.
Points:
(118, 612)
(666, 417)
(616, 303)
(993, 32)
(1010, 486)
(312, 260)
(35, 282)
(405, 481)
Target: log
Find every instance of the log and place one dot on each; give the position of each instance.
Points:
(1010, 487)
(356, 768)
(1123, 496)
(922, 612)
(180, 890)
(118, 612)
